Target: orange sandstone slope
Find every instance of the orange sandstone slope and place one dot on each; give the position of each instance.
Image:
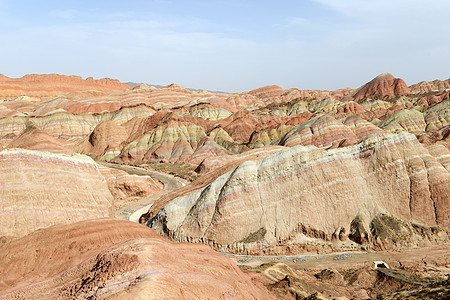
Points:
(33, 138)
(39, 189)
(46, 85)
(382, 86)
(384, 192)
(114, 259)
(429, 86)
(194, 125)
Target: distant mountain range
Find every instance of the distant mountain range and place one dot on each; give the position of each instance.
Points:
(133, 84)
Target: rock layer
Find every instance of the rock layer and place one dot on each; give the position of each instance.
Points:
(126, 187)
(39, 189)
(429, 86)
(305, 195)
(382, 86)
(46, 85)
(108, 258)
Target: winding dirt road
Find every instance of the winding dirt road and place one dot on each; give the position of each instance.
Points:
(433, 255)
(427, 257)
(133, 210)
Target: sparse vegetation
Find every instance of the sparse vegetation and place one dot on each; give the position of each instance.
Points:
(179, 169)
(255, 236)
(258, 269)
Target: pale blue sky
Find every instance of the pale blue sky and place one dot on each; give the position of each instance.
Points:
(228, 45)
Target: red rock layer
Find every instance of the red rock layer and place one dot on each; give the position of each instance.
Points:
(53, 84)
(108, 258)
(106, 137)
(233, 123)
(267, 91)
(39, 189)
(318, 94)
(360, 127)
(427, 86)
(321, 131)
(305, 198)
(163, 136)
(125, 187)
(32, 138)
(206, 149)
(382, 86)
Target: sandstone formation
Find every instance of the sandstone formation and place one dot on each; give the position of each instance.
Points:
(108, 258)
(318, 94)
(404, 120)
(205, 111)
(33, 138)
(53, 84)
(321, 131)
(216, 162)
(268, 136)
(112, 127)
(441, 153)
(360, 127)
(208, 148)
(267, 91)
(164, 136)
(176, 87)
(104, 141)
(39, 189)
(382, 86)
(308, 196)
(427, 86)
(126, 187)
(438, 116)
(271, 171)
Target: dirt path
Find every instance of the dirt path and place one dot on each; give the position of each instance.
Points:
(170, 182)
(133, 210)
(345, 260)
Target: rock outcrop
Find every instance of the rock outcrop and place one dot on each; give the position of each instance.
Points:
(404, 120)
(126, 187)
(309, 197)
(164, 136)
(39, 189)
(267, 91)
(120, 127)
(430, 86)
(271, 171)
(109, 258)
(321, 131)
(46, 85)
(384, 85)
(32, 138)
(104, 141)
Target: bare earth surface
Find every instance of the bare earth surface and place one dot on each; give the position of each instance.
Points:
(420, 273)
(355, 259)
(133, 210)
(269, 193)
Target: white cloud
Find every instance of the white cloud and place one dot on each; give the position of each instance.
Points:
(404, 37)
(364, 8)
(311, 53)
(135, 50)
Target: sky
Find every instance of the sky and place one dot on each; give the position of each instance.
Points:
(231, 46)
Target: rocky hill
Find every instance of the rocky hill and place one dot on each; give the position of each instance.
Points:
(46, 85)
(108, 258)
(39, 189)
(267, 171)
(307, 197)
